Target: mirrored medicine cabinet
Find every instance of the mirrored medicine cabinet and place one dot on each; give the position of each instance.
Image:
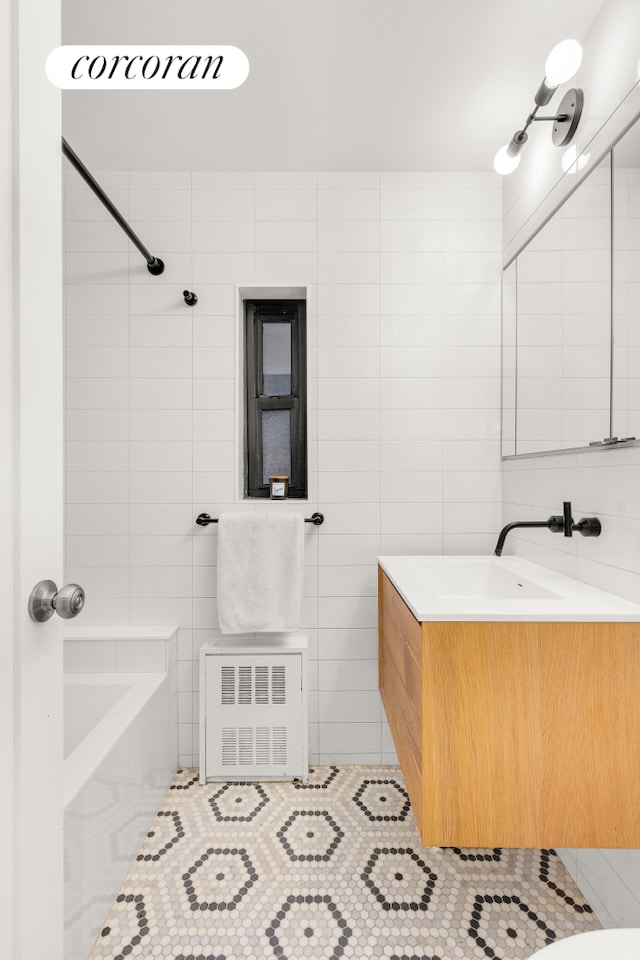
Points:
(571, 317)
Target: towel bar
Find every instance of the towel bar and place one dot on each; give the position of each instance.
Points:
(203, 519)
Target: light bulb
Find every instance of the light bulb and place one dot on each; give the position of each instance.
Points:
(504, 163)
(572, 161)
(563, 62)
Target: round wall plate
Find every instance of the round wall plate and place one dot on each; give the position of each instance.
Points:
(41, 601)
(571, 108)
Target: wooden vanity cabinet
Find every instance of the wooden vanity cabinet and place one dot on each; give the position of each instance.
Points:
(523, 734)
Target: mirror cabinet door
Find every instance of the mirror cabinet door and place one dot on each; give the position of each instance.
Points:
(509, 360)
(625, 393)
(539, 354)
(563, 324)
(586, 310)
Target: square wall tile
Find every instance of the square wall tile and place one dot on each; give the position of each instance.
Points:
(216, 204)
(411, 204)
(285, 204)
(291, 235)
(353, 235)
(348, 204)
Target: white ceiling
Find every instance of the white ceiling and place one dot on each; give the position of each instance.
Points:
(334, 84)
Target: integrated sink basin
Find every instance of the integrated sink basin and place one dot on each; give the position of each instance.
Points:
(498, 588)
(473, 578)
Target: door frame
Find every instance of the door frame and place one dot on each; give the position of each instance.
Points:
(7, 549)
(31, 473)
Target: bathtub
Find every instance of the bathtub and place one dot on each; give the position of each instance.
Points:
(120, 756)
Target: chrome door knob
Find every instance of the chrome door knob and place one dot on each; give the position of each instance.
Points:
(46, 599)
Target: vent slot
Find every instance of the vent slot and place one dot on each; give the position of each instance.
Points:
(228, 685)
(245, 751)
(245, 691)
(262, 684)
(279, 743)
(278, 685)
(263, 745)
(229, 747)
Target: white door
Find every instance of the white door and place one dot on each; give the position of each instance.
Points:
(30, 483)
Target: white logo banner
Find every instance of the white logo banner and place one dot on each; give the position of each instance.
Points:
(147, 67)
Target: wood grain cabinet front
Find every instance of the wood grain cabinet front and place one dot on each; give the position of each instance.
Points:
(514, 734)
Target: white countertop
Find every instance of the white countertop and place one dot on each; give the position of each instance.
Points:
(499, 588)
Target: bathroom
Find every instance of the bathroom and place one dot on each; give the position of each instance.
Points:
(399, 240)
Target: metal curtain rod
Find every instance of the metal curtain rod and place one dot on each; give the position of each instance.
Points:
(203, 519)
(154, 264)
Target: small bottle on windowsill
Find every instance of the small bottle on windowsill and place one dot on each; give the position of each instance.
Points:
(278, 488)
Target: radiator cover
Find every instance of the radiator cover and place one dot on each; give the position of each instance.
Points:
(253, 710)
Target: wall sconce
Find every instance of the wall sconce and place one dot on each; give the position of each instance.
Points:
(562, 63)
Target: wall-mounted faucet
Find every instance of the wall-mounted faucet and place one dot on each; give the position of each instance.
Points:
(588, 526)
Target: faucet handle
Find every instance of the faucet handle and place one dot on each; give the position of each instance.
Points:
(567, 518)
(588, 527)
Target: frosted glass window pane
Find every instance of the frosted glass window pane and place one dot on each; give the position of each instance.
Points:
(276, 359)
(276, 444)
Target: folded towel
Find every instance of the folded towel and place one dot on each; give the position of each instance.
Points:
(260, 566)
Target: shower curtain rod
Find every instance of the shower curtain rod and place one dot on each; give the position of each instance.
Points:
(154, 264)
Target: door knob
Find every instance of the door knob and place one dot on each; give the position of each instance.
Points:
(46, 599)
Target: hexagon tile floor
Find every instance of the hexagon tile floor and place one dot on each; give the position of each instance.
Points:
(330, 869)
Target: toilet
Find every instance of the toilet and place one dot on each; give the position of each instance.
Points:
(615, 944)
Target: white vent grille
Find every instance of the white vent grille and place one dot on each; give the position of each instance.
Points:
(254, 719)
(253, 684)
(249, 746)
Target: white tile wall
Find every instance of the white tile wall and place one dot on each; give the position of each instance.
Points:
(404, 428)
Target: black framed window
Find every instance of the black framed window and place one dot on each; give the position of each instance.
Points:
(276, 395)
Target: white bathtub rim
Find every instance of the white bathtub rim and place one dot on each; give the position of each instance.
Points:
(82, 762)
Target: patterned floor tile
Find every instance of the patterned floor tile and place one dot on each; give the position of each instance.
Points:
(329, 869)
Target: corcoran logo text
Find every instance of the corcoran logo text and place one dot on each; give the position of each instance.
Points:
(77, 67)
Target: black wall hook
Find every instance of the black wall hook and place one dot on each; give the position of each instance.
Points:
(189, 298)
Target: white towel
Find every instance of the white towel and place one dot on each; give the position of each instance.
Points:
(260, 566)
